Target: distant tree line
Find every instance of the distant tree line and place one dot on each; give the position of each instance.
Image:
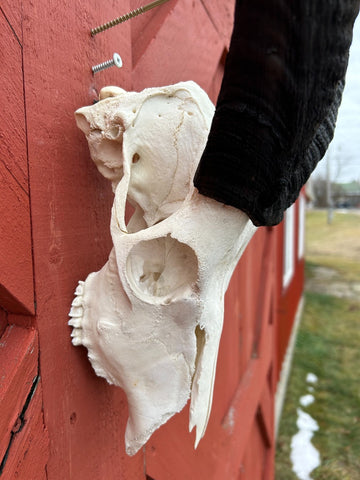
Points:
(341, 195)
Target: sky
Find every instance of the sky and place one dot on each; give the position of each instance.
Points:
(344, 151)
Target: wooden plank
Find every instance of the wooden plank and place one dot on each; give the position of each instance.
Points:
(243, 410)
(215, 86)
(144, 27)
(250, 290)
(12, 114)
(71, 205)
(25, 321)
(253, 463)
(288, 299)
(13, 14)
(221, 13)
(3, 321)
(18, 368)
(170, 453)
(16, 270)
(249, 296)
(265, 291)
(227, 369)
(242, 413)
(266, 415)
(248, 397)
(29, 451)
(186, 47)
(16, 276)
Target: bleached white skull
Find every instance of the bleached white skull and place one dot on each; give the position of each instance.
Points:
(152, 317)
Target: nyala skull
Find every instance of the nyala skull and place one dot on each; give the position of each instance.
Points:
(152, 317)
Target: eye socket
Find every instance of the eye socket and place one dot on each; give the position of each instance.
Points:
(162, 270)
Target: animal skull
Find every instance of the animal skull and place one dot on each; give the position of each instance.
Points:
(152, 317)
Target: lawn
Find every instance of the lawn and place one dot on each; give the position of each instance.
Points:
(328, 346)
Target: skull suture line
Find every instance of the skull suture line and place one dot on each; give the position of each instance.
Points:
(152, 317)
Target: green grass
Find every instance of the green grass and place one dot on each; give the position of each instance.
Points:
(328, 345)
(340, 240)
(318, 230)
(348, 269)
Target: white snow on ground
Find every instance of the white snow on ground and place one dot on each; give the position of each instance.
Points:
(304, 456)
(307, 400)
(311, 378)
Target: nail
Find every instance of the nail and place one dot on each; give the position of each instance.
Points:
(127, 16)
(116, 61)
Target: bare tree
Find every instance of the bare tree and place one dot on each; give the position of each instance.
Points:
(319, 191)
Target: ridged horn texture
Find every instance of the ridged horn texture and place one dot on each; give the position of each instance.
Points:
(277, 108)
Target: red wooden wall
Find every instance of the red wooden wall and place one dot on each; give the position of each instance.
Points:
(58, 420)
(23, 438)
(289, 295)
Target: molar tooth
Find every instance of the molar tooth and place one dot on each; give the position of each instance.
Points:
(76, 336)
(77, 302)
(79, 289)
(76, 312)
(75, 322)
(76, 341)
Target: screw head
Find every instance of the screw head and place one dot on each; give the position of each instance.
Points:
(117, 60)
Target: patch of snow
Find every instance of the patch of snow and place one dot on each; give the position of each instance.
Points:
(304, 456)
(306, 422)
(311, 378)
(307, 400)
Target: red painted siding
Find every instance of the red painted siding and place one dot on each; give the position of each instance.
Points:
(288, 297)
(54, 230)
(14, 193)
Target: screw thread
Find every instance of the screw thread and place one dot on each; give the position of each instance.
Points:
(102, 66)
(116, 21)
(127, 16)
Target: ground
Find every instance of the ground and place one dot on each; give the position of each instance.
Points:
(329, 281)
(328, 346)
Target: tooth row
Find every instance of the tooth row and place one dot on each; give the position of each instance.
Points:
(77, 302)
(75, 321)
(80, 288)
(76, 314)
(76, 336)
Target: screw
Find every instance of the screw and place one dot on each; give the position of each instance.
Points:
(116, 60)
(127, 16)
